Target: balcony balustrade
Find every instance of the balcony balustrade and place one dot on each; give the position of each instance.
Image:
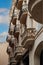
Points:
(18, 52)
(8, 38)
(25, 6)
(13, 42)
(9, 50)
(28, 38)
(16, 32)
(15, 16)
(10, 31)
(13, 61)
(11, 54)
(12, 28)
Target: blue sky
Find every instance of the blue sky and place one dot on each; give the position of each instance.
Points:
(4, 18)
(5, 3)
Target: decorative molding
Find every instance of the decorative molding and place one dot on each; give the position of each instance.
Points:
(39, 32)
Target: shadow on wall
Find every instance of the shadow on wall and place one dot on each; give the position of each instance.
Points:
(3, 54)
(38, 57)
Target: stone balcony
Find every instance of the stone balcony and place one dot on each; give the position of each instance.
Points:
(12, 64)
(11, 29)
(9, 50)
(13, 42)
(13, 61)
(18, 52)
(16, 32)
(8, 38)
(28, 38)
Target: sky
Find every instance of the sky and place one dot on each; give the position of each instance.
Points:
(5, 6)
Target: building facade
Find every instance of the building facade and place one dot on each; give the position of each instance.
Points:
(25, 35)
(3, 55)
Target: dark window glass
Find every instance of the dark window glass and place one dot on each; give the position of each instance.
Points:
(41, 58)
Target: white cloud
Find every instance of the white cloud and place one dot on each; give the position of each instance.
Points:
(4, 15)
(3, 34)
(4, 18)
(3, 10)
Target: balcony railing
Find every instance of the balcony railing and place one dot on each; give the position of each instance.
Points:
(13, 42)
(28, 38)
(18, 52)
(9, 50)
(8, 38)
(16, 12)
(12, 60)
(10, 31)
(11, 54)
(25, 7)
(16, 30)
(12, 27)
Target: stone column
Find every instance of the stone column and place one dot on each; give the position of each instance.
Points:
(29, 22)
(31, 58)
